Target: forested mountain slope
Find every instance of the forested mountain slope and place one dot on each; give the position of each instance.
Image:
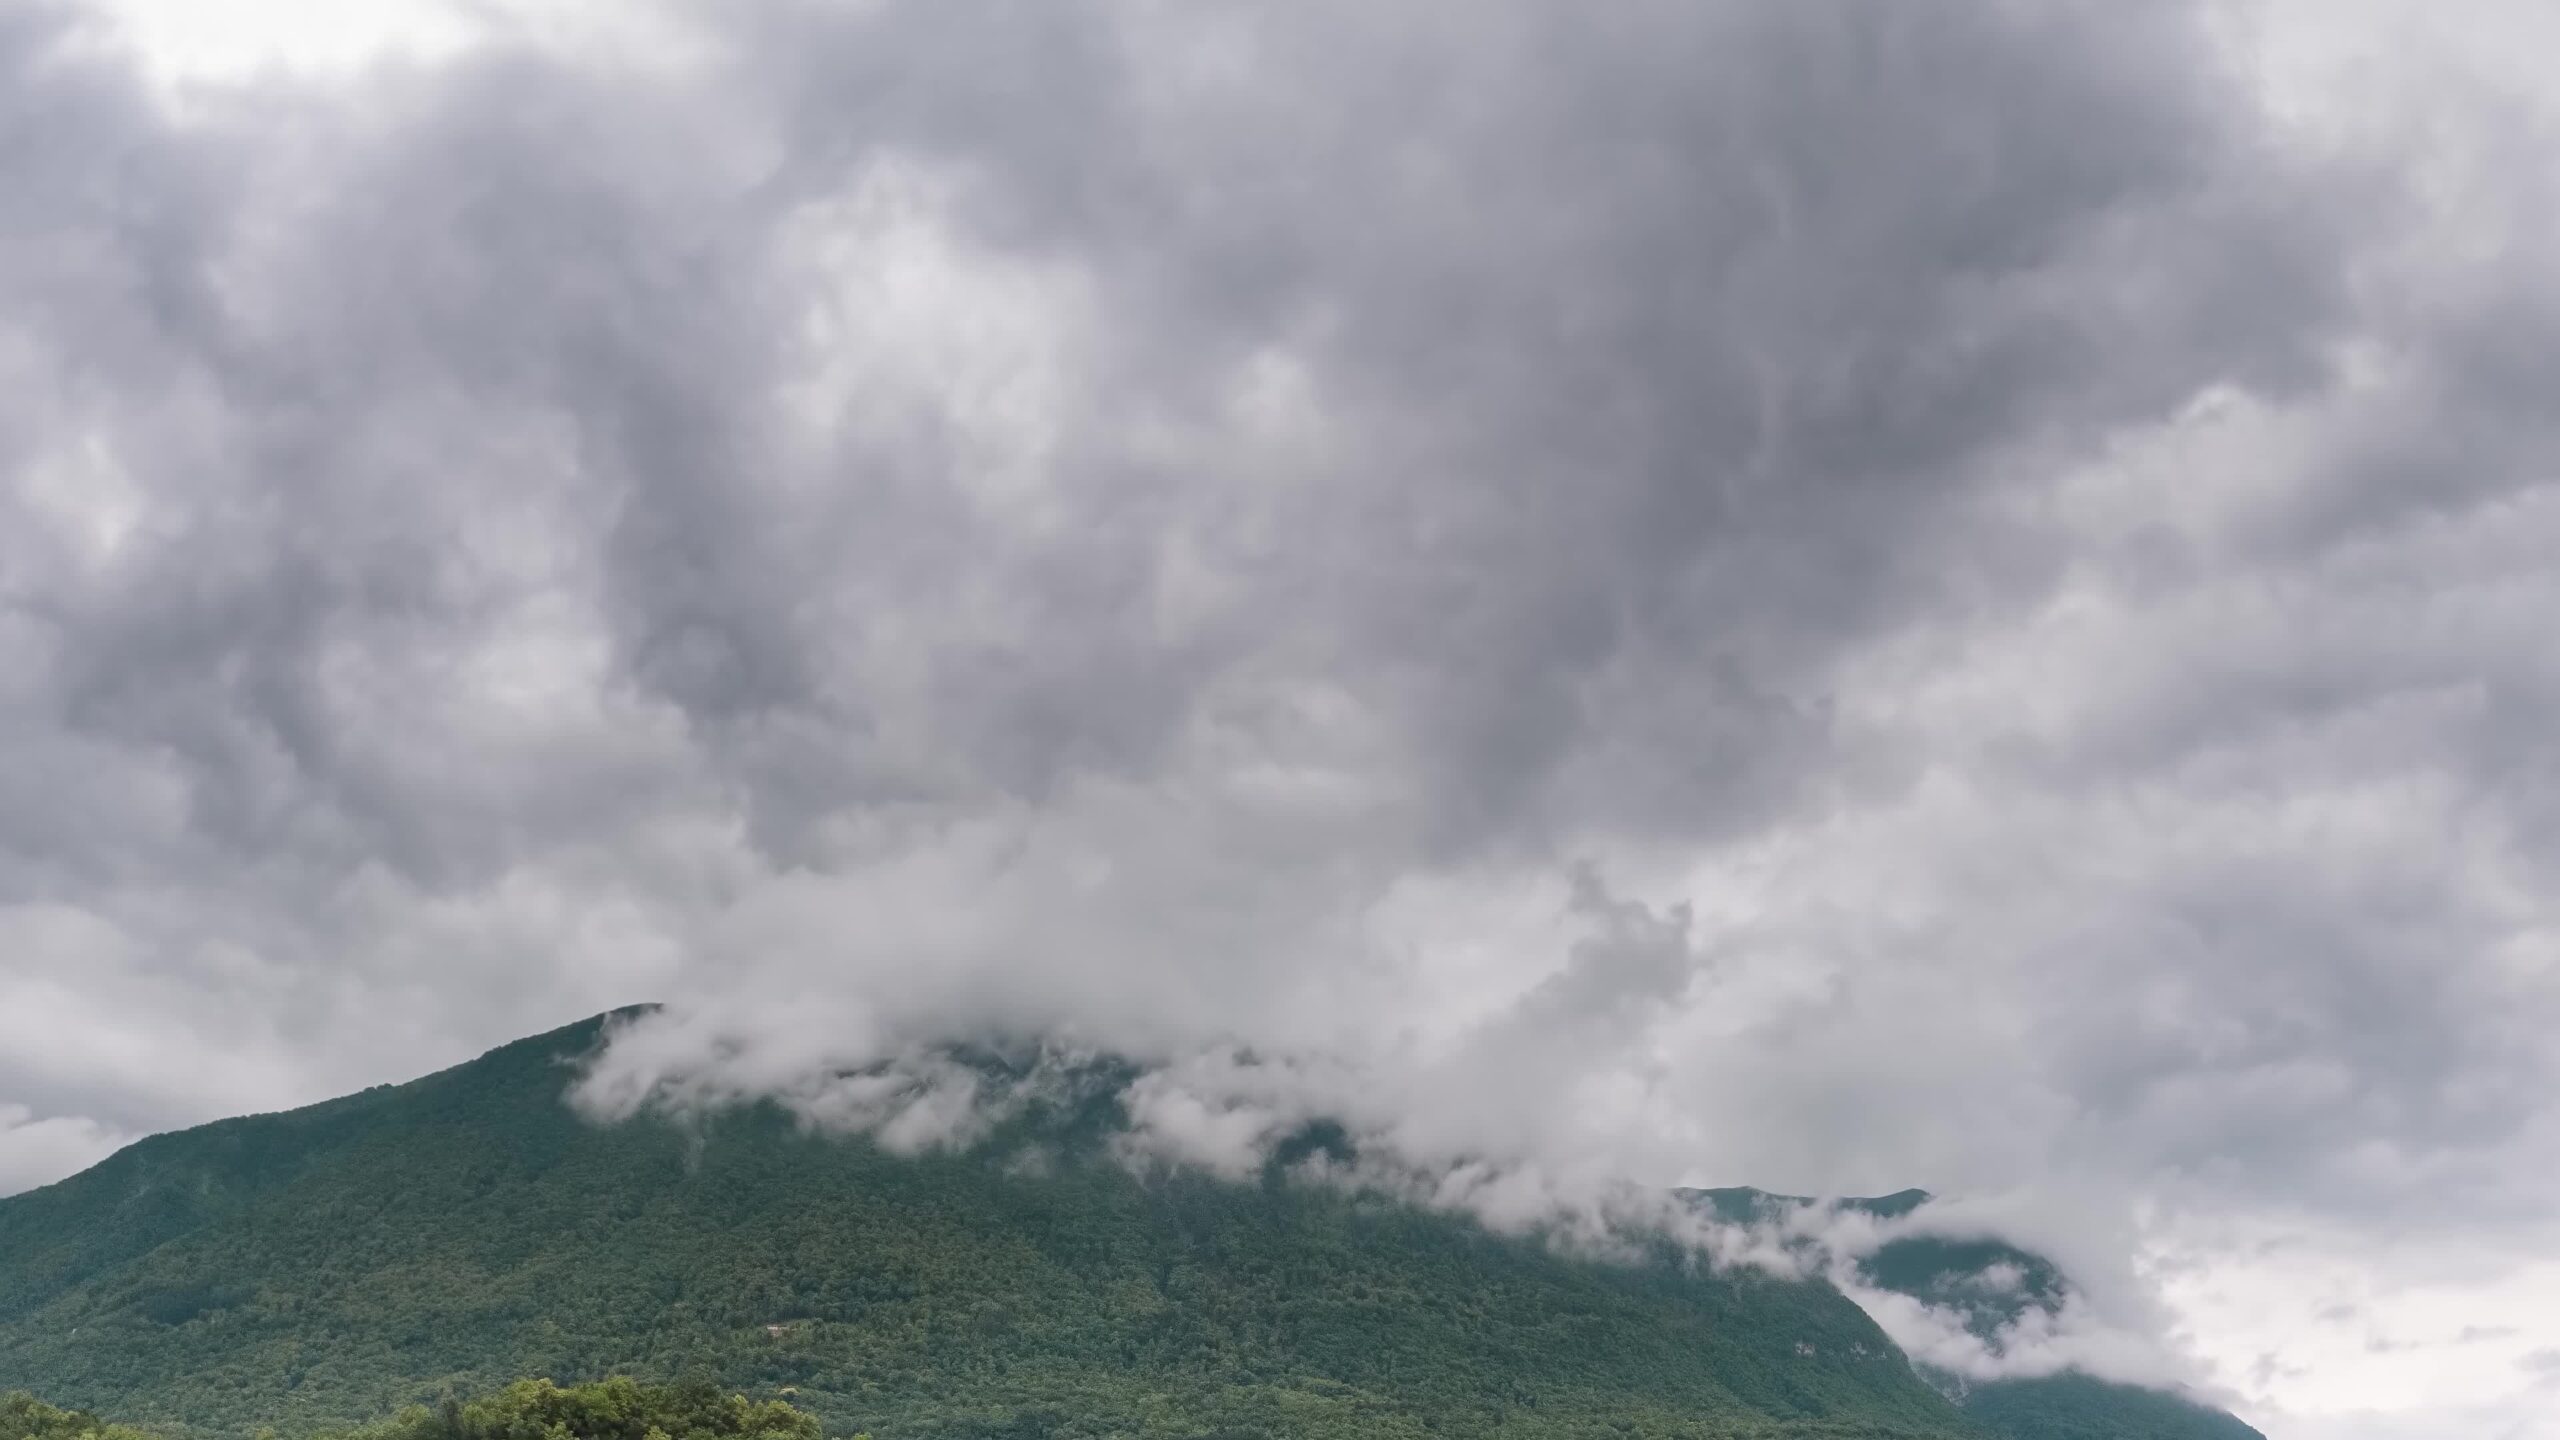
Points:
(332, 1264)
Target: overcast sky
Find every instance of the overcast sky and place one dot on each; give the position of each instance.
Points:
(1795, 592)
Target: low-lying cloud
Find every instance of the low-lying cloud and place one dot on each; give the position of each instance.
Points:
(1244, 1118)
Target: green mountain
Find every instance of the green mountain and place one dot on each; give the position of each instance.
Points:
(329, 1265)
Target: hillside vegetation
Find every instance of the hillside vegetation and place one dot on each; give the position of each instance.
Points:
(612, 1409)
(322, 1268)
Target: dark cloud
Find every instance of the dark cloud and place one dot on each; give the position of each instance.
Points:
(1668, 351)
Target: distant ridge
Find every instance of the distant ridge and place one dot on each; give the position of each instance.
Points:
(1945, 1273)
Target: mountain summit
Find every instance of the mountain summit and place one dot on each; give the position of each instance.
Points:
(329, 1264)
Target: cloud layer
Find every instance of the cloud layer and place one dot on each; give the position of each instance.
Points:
(1807, 594)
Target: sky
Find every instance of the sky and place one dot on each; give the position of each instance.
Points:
(1819, 595)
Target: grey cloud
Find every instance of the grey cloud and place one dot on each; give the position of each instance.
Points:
(1636, 412)
(1691, 371)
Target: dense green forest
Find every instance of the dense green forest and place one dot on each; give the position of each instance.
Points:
(2076, 1407)
(612, 1409)
(24, 1417)
(319, 1269)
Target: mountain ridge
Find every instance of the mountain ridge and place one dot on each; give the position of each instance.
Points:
(1948, 1273)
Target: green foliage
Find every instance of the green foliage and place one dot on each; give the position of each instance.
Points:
(613, 1409)
(24, 1417)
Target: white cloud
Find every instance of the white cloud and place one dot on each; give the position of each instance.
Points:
(38, 1150)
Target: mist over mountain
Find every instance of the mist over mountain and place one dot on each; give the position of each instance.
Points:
(1029, 1274)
